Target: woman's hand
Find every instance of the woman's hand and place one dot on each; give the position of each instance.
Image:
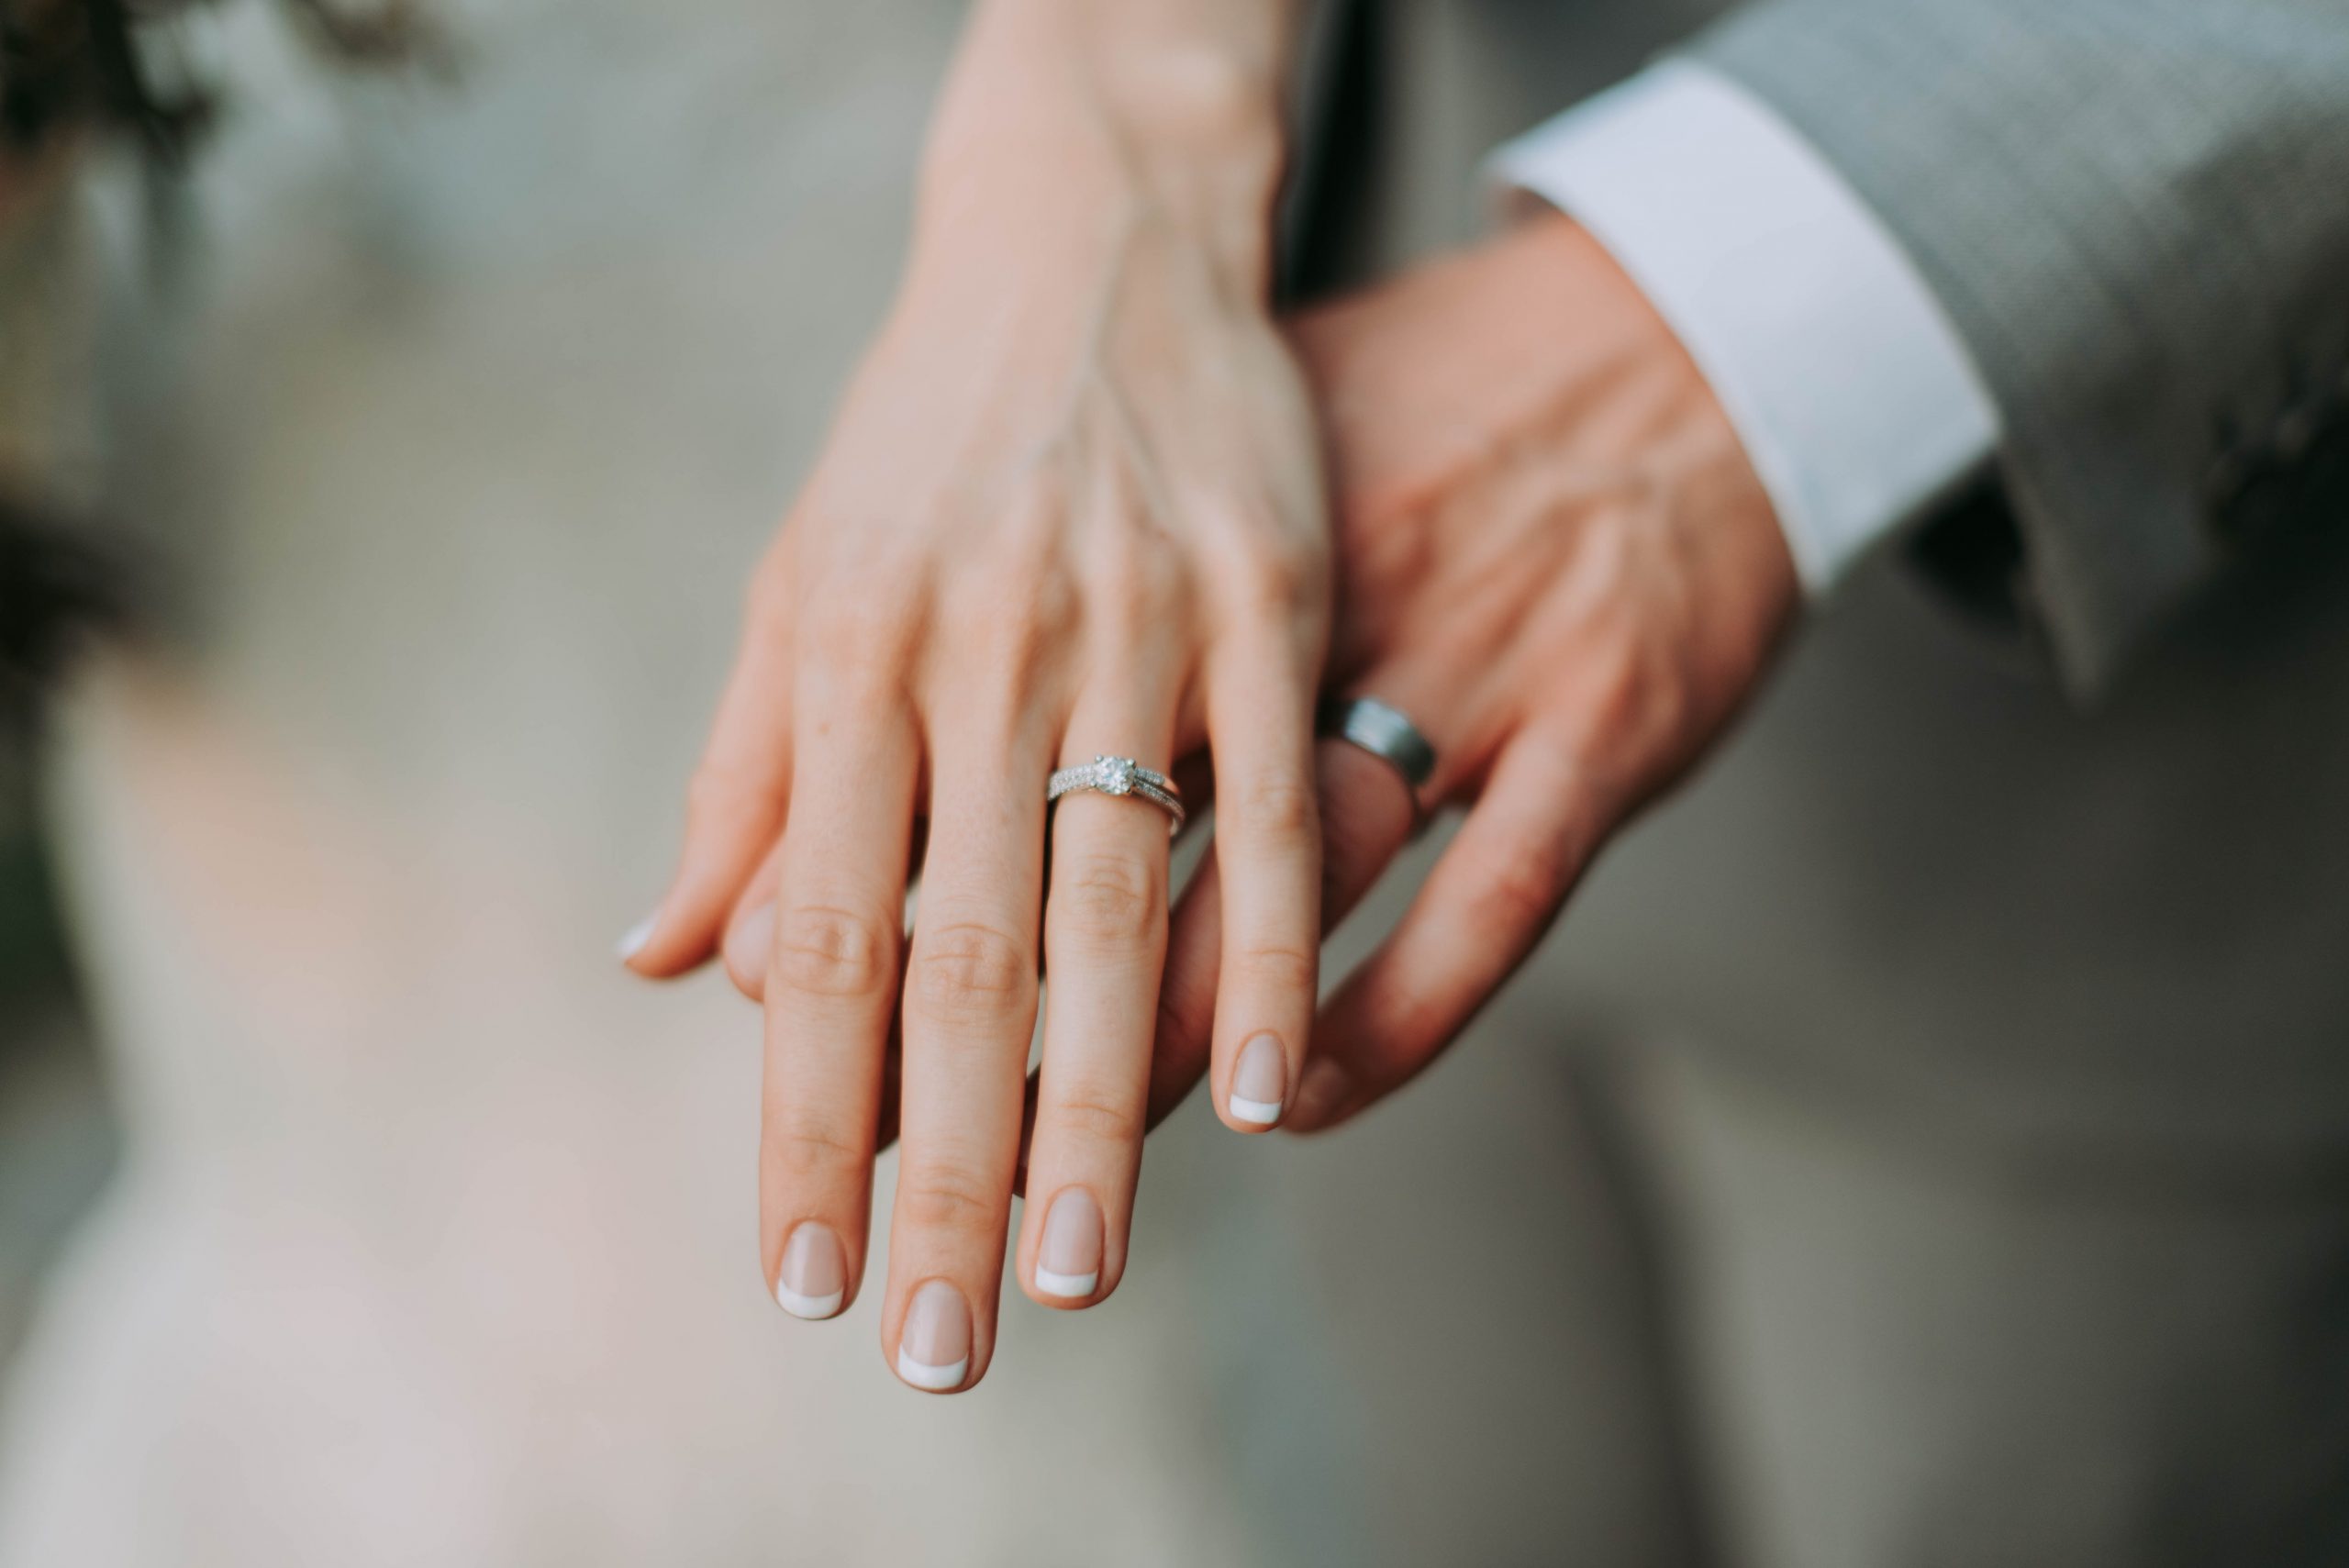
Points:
(1072, 506)
(1554, 556)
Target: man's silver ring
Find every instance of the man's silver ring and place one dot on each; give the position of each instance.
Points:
(1124, 776)
(1382, 731)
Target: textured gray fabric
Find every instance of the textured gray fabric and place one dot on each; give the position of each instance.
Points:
(2132, 210)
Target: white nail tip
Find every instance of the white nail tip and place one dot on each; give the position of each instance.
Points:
(1074, 1287)
(637, 936)
(935, 1379)
(1263, 1113)
(809, 1306)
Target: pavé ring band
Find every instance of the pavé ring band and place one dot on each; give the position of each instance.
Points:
(1120, 775)
(1382, 731)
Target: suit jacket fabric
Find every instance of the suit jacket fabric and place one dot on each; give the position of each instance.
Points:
(1924, 873)
(2137, 212)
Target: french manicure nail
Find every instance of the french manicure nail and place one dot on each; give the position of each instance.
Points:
(1259, 1081)
(747, 943)
(1068, 1262)
(934, 1346)
(813, 1280)
(1320, 1091)
(633, 941)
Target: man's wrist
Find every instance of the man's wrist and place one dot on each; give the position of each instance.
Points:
(1857, 401)
(1530, 374)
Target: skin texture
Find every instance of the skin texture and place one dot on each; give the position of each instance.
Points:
(1554, 555)
(1072, 504)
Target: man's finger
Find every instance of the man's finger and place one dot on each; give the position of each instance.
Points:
(1488, 901)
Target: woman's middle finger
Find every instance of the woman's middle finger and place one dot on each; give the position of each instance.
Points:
(969, 1015)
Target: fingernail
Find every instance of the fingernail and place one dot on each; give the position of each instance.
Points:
(1068, 1264)
(1259, 1081)
(1320, 1091)
(637, 936)
(748, 944)
(934, 1346)
(813, 1280)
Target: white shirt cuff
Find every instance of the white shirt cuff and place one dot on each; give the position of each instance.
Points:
(1855, 397)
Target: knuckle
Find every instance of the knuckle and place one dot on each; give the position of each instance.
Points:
(1095, 1114)
(1107, 901)
(1138, 585)
(1636, 721)
(1005, 625)
(1280, 966)
(1283, 810)
(1669, 719)
(1284, 577)
(970, 967)
(807, 1146)
(941, 1197)
(823, 952)
(1620, 696)
(1522, 890)
(1023, 583)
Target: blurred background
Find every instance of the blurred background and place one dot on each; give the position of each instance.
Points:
(56, 1136)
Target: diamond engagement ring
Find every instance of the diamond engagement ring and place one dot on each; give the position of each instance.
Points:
(1120, 775)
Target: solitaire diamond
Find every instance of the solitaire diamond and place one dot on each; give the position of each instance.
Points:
(1113, 775)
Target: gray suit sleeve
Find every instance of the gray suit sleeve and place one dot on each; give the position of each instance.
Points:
(2136, 212)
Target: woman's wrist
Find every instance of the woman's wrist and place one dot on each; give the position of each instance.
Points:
(1069, 126)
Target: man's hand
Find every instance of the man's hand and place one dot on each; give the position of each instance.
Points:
(1556, 558)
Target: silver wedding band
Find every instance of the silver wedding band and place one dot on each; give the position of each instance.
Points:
(1120, 776)
(1382, 731)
